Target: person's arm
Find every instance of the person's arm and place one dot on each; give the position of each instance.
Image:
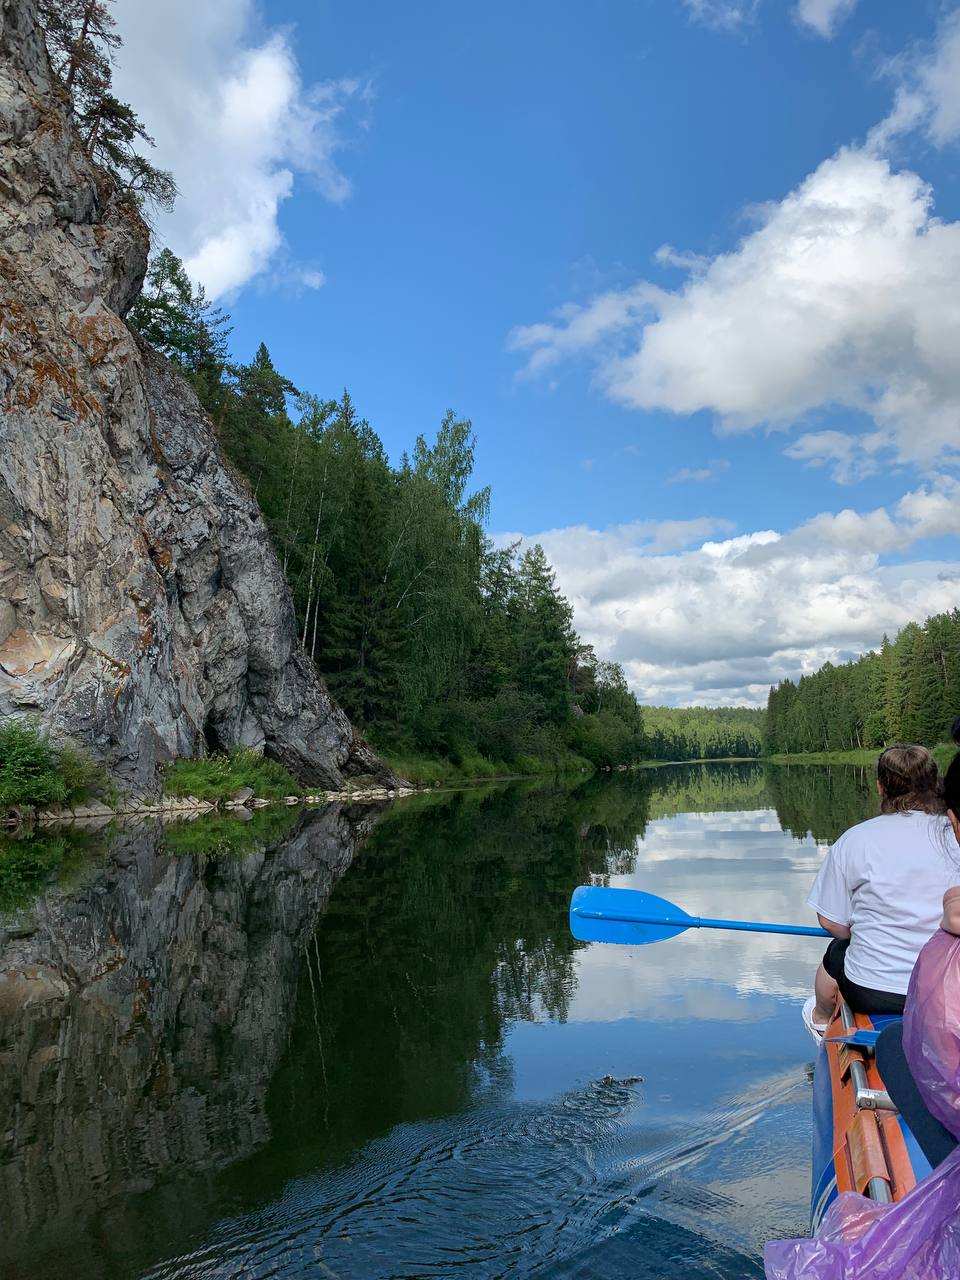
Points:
(951, 910)
(830, 896)
(842, 931)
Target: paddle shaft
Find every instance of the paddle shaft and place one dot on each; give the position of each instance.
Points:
(701, 922)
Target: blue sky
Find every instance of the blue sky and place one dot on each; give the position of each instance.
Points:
(460, 205)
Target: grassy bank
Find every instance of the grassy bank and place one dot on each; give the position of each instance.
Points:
(943, 753)
(219, 777)
(669, 764)
(867, 756)
(431, 770)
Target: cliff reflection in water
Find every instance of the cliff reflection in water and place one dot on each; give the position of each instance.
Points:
(141, 1020)
(181, 1036)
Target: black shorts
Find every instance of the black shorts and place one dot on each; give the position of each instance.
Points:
(860, 999)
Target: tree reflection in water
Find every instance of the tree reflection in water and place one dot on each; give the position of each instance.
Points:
(182, 1034)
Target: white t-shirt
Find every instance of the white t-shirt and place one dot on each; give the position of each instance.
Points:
(885, 878)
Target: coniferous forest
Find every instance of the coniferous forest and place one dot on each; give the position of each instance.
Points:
(907, 691)
(434, 640)
(438, 642)
(702, 733)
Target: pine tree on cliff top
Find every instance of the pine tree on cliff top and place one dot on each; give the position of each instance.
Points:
(81, 38)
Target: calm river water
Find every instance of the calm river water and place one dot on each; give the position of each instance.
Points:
(357, 1045)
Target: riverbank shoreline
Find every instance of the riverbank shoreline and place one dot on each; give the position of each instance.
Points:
(180, 807)
(444, 775)
(943, 753)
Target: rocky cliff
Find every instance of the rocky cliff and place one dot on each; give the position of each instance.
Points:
(142, 609)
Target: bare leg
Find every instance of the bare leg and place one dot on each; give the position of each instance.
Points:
(826, 991)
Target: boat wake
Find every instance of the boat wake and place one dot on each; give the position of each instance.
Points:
(581, 1186)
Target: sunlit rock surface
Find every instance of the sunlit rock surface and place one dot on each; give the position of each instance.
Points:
(142, 608)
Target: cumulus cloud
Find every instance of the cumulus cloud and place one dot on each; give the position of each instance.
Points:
(234, 121)
(824, 16)
(842, 295)
(928, 95)
(845, 294)
(695, 619)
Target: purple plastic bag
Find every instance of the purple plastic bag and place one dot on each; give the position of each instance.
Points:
(918, 1238)
(931, 1028)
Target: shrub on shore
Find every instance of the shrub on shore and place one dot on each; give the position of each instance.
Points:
(36, 772)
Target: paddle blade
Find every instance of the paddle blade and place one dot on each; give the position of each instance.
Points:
(627, 916)
(862, 1038)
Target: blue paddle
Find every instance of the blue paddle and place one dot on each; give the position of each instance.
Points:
(861, 1038)
(599, 914)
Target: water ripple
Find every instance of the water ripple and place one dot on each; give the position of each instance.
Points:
(565, 1189)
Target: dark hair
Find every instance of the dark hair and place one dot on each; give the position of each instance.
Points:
(951, 779)
(909, 780)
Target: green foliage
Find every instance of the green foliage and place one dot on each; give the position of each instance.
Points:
(867, 755)
(28, 766)
(218, 777)
(703, 733)
(907, 691)
(83, 777)
(81, 39)
(35, 772)
(431, 770)
(433, 640)
(177, 319)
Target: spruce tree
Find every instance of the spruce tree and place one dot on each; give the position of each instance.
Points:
(81, 38)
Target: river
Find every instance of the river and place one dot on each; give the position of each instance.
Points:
(359, 1044)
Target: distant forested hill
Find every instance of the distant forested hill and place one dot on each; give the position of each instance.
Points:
(908, 691)
(702, 733)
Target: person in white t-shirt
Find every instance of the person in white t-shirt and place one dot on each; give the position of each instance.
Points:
(880, 891)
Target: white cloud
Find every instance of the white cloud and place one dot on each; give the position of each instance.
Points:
(236, 124)
(824, 16)
(613, 982)
(639, 537)
(695, 620)
(929, 92)
(697, 475)
(727, 15)
(846, 294)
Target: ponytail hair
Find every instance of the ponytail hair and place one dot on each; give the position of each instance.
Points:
(909, 780)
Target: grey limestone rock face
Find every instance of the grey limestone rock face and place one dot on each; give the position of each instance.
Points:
(143, 612)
